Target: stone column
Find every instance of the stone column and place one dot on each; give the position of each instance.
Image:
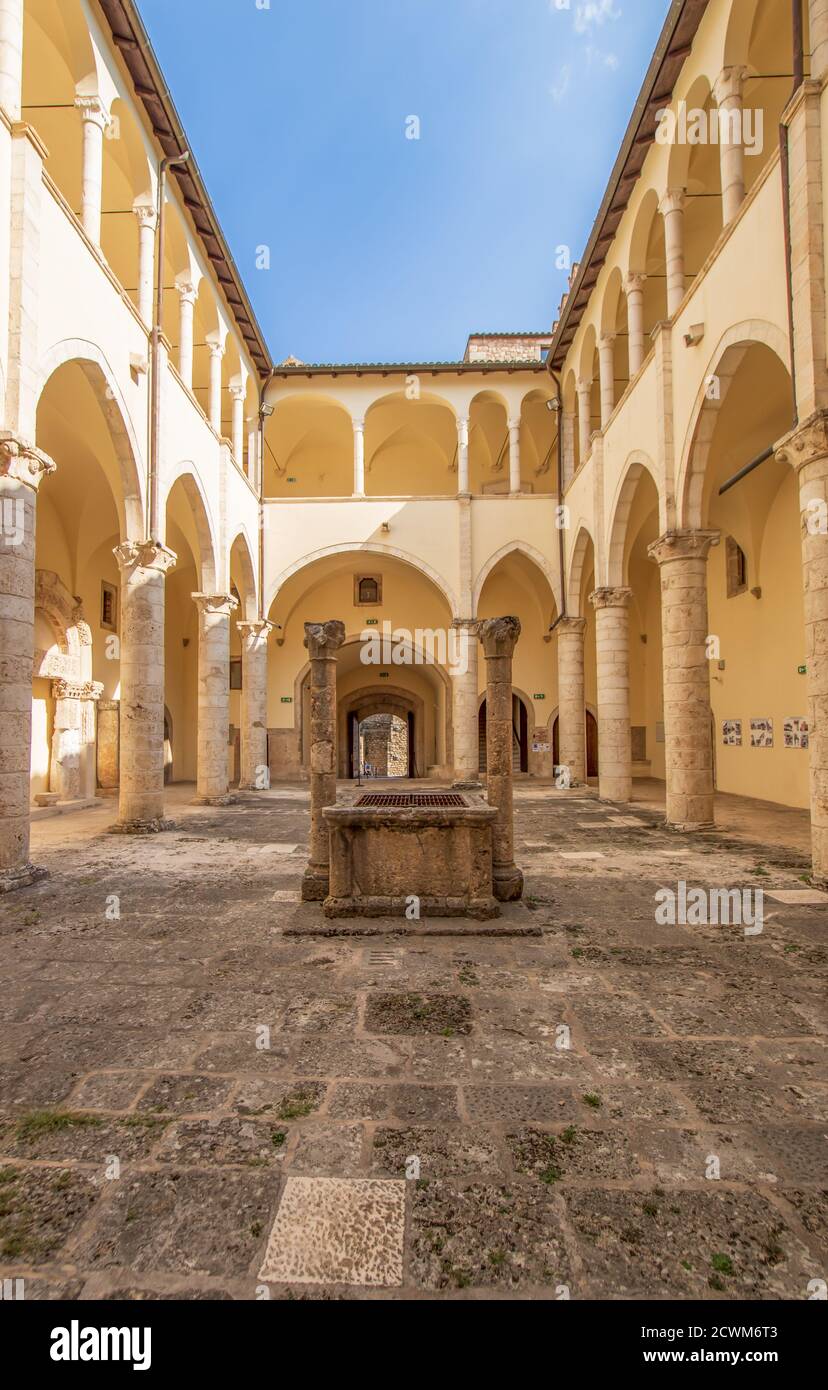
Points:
(143, 565)
(70, 739)
(682, 560)
(465, 704)
(612, 647)
(585, 417)
(514, 457)
(214, 613)
(214, 399)
(238, 392)
(463, 455)
(806, 450)
(95, 119)
(634, 290)
(255, 768)
(569, 446)
(323, 641)
(727, 94)
(671, 208)
(818, 15)
(571, 699)
(188, 295)
(11, 57)
(359, 458)
(606, 359)
(498, 637)
(108, 741)
(147, 221)
(22, 468)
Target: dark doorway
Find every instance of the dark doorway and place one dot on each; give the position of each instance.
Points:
(591, 744)
(520, 736)
(412, 760)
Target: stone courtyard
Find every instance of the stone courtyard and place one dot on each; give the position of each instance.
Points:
(207, 1096)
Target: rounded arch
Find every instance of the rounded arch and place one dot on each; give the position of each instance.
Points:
(364, 548)
(207, 567)
(642, 230)
(740, 25)
(718, 376)
(393, 396)
(63, 614)
(587, 355)
(523, 548)
(611, 301)
(98, 372)
(636, 465)
(240, 556)
(583, 542)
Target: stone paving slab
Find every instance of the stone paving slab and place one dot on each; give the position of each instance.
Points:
(196, 1098)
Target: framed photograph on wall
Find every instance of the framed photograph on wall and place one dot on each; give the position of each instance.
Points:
(761, 733)
(732, 733)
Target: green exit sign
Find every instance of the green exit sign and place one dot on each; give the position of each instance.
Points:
(287, 699)
(539, 697)
(385, 675)
(802, 670)
(372, 622)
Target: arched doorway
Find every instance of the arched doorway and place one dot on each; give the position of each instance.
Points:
(520, 735)
(591, 744)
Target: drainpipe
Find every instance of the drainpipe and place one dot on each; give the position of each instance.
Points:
(263, 389)
(154, 480)
(785, 170)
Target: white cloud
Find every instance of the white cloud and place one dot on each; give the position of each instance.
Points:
(596, 58)
(561, 85)
(590, 14)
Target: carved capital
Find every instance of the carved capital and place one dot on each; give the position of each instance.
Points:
(607, 340)
(682, 545)
(146, 213)
(323, 640)
(805, 444)
(634, 283)
(571, 627)
(93, 111)
(673, 201)
(610, 597)
(187, 289)
(22, 462)
(76, 690)
(145, 555)
(584, 386)
(216, 605)
(258, 629)
(728, 85)
(498, 636)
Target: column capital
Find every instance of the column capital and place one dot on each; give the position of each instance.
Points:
(23, 462)
(145, 555)
(216, 348)
(607, 340)
(498, 636)
(584, 384)
(323, 640)
(187, 288)
(93, 110)
(682, 545)
(218, 605)
(259, 627)
(462, 422)
(358, 422)
(806, 443)
(146, 213)
(634, 282)
(237, 391)
(514, 422)
(76, 690)
(672, 201)
(470, 624)
(729, 84)
(610, 597)
(571, 627)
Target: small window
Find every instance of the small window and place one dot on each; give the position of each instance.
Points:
(109, 607)
(368, 591)
(235, 673)
(736, 561)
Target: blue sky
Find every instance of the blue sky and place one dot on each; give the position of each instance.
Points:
(385, 248)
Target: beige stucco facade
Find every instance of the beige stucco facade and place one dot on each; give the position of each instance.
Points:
(676, 633)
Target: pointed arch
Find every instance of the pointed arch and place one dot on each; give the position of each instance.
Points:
(207, 566)
(580, 550)
(241, 550)
(637, 464)
(522, 548)
(365, 548)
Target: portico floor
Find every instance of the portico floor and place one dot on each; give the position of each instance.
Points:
(193, 1104)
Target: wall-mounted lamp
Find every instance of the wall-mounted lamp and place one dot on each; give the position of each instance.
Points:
(757, 592)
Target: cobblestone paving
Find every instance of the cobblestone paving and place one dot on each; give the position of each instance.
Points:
(173, 1078)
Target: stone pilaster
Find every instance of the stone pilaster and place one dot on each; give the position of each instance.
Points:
(465, 711)
(95, 119)
(498, 637)
(818, 17)
(634, 290)
(323, 641)
(612, 648)
(22, 468)
(682, 560)
(806, 450)
(671, 208)
(255, 768)
(214, 613)
(72, 738)
(143, 565)
(571, 699)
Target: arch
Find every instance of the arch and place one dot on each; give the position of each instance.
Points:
(373, 699)
(723, 365)
(740, 24)
(65, 617)
(206, 560)
(637, 464)
(611, 301)
(365, 548)
(523, 548)
(98, 372)
(640, 239)
(247, 567)
(396, 397)
(583, 540)
(587, 355)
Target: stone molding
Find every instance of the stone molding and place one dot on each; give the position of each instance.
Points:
(63, 689)
(23, 462)
(572, 627)
(147, 555)
(806, 443)
(498, 636)
(219, 605)
(323, 640)
(259, 627)
(682, 545)
(611, 598)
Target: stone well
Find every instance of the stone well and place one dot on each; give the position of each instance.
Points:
(390, 848)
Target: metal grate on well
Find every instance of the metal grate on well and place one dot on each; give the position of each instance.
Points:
(410, 801)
